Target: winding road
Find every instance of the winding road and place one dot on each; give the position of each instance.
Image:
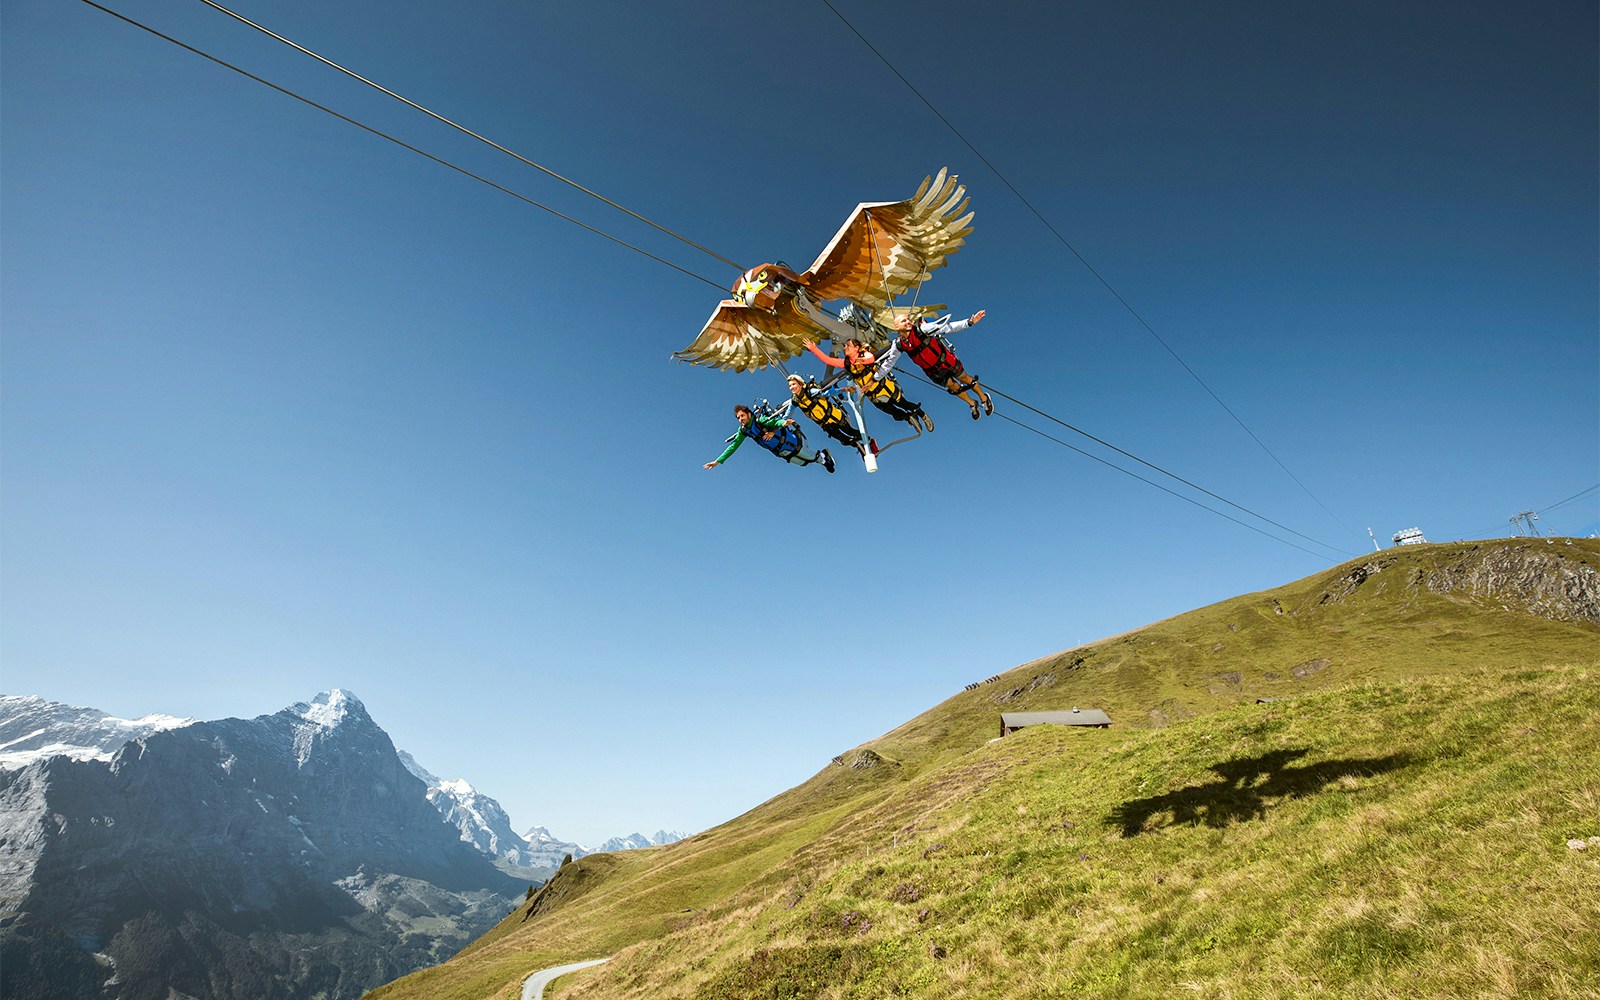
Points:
(533, 986)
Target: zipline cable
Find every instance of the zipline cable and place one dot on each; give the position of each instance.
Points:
(461, 170)
(1575, 496)
(1180, 496)
(462, 128)
(1164, 472)
(401, 143)
(1150, 465)
(1084, 261)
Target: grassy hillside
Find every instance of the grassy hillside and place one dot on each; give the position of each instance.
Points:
(1394, 824)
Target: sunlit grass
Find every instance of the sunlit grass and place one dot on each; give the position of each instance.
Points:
(1395, 827)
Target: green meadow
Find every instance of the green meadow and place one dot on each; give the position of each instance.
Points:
(1367, 783)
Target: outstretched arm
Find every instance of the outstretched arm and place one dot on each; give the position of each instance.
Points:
(831, 362)
(948, 325)
(733, 446)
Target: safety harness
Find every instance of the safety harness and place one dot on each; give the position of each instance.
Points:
(932, 354)
(828, 415)
(883, 390)
(786, 440)
(820, 408)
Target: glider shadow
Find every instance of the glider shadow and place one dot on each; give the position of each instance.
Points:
(1244, 790)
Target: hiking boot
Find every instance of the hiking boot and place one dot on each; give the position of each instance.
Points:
(827, 460)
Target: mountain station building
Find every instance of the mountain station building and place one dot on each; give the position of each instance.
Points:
(1010, 722)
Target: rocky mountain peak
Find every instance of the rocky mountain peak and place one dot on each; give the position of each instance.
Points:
(330, 708)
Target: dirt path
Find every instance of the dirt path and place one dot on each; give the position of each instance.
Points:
(533, 986)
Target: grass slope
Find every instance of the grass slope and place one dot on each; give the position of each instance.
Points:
(1395, 825)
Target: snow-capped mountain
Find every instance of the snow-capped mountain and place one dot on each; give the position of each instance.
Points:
(484, 824)
(549, 849)
(635, 841)
(288, 856)
(544, 845)
(482, 821)
(32, 728)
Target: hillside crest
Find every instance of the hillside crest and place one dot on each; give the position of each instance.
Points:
(1250, 739)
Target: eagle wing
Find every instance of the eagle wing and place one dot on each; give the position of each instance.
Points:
(743, 338)
(884, 248)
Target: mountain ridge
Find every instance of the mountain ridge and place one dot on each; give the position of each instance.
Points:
(32, 728)
(283, 856)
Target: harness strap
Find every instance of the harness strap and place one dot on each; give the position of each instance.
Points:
(822, 410)
(790, 440)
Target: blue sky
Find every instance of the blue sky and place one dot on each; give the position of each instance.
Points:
(286, 407)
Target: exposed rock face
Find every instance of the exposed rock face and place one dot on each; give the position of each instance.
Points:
(283, 856)
(1306, 669)
(859, 760)
(1548, 577)
(1044, 680)
(1540, 577)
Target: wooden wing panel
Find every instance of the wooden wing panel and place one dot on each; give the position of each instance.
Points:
(884, 248)
(743, 338)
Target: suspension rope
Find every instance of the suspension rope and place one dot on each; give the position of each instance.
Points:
(1084, 261)
(462, 128)
(401, 143)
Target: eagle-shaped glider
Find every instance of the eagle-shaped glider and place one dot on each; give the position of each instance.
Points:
(881, 251)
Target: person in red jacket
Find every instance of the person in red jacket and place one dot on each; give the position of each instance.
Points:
(922, 340)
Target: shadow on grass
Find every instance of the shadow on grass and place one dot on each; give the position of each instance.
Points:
(1247, 787)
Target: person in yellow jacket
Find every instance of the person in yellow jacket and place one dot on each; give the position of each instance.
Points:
(815, 402)
(860, 364)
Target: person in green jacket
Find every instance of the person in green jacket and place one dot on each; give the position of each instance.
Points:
(780, 436)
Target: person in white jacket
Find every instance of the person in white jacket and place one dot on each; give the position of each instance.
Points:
(923, 340)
